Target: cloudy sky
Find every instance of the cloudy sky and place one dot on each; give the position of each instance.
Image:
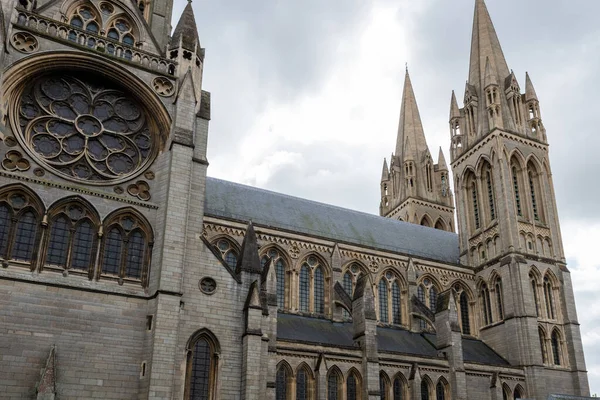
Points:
(306, 97)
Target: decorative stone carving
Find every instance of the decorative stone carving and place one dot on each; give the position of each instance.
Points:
(24, 42)
(373, 266)
(294, 251)
(163, 86)
(39, 172)
(85, 129)
(14, 161)
(140, 189)
(149, 175)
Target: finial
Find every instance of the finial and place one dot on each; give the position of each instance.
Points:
(406, 66)
(189, 1)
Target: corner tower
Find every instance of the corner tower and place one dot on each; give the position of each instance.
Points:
(413, 188)
(508, 224)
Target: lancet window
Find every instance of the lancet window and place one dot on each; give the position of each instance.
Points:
(202, 359)
(20, 218)
(312, 286)
(280, 271)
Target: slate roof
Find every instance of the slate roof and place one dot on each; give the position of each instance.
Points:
(295, 328)
(243, 203)
(567, 397)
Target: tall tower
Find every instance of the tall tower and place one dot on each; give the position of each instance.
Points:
(413, 188)
(508, 223)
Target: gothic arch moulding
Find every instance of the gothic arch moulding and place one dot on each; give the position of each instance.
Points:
(70, 138)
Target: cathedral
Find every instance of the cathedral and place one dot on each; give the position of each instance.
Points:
(127, 273)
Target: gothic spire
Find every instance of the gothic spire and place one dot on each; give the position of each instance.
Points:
(454, 110)
(484, 45)
(186, 31)
(411, 137)
(442, 166)
(385, 174)
(529, 89)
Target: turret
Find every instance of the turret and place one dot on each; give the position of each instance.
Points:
(385, 187)
(492, 97)
(186, 50)
(535, 128)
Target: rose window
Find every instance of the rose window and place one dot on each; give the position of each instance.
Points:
(85, 130)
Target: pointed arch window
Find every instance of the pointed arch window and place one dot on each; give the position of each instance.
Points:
(534, 291)
(399, 389)
(72, 243)
(475, 204)
(280, 268)
(490, 189)
(542, 336)
(429, 177)
(202, 360)
(518, 394)
(390, 299)
(352, 387)
(334, 385)
(84, 18)
(533, 196)
(383, 301)
(126, 249)
(424, 390)
(556, 347)
(463, 304)
(312, 286)
(282, 383)
(349, 288)
(440, 391)
(499, 299)
(384, 386)
(515, 179)
(549, 297)
(486, 304)
(19, 226)
(302, 385)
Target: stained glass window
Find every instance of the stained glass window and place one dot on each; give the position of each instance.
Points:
(432, 298)
(555, 348)
(5, 224)
(135, 255)
(464, 314)
(302, 385)
(112, 252)
(25, 237)
(280, 271)
(319, 291)
(85, 129)
(201, 369)
(383, 301)
(424, 390)
(351, 388)
(440, 391)
(348, 287)
(333, 384)
(83, 250)
(396, 306)
(58, 246)
(281, 384)
(304, 288)
(383, 387)
(398, 389)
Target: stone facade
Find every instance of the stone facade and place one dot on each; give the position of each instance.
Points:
(127, 273)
